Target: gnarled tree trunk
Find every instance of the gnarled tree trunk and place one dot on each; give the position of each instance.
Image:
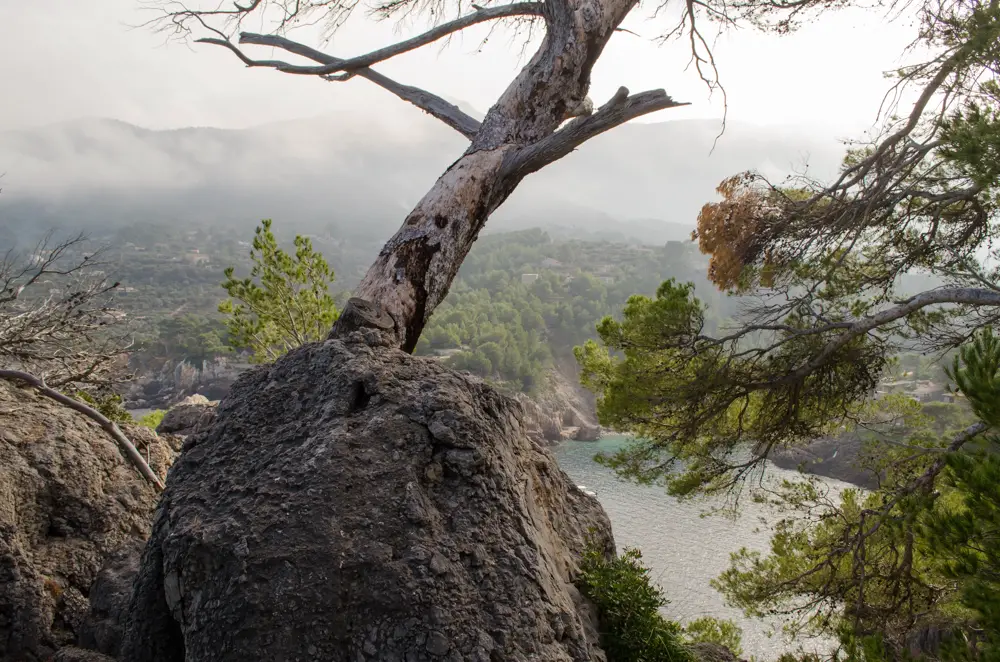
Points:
(519, 135)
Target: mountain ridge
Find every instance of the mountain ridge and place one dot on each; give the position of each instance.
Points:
(342, 167)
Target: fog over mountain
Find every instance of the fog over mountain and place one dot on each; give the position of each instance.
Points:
(363, 174)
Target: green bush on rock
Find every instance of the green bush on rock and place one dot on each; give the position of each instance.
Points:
(153, 418)
(628, 604)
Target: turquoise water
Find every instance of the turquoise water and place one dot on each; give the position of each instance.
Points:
(683, 549)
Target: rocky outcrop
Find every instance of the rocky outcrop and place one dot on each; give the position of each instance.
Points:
(68, 500)
(562, 409)
(587, 433)
(839, 457)
(352, 502)
(162, 384)
(190, 415)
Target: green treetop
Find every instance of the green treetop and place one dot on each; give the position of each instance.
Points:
(819, 266)
(284, 303)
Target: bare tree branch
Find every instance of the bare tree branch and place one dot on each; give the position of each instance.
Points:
(109, 426)
(618, 110)
(58, 317)
(988, 296)
(958, 295)
(481, 15)
(430, 103)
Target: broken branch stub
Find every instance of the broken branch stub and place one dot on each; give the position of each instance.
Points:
(360, 314)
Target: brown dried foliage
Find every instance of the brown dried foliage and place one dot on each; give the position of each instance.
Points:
(734, 231)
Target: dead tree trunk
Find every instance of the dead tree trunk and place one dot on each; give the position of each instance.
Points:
(520, 134)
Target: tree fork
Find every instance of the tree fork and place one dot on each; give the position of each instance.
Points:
(414, 270)
(519, 135)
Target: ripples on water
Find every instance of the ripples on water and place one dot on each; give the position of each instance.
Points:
(683, 549)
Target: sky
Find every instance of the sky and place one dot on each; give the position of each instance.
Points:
(67, 59)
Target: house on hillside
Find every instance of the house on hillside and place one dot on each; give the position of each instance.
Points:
(551, 263)
(928, 391)
(527, 279)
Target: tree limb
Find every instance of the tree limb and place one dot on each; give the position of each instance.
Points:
(957, 295)
(618, 110)
(481, 15)
(430, 103)
(109, 426)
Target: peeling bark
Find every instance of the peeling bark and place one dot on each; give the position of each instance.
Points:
(519, 135)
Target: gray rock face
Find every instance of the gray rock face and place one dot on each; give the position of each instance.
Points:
(840, 458)
(705, 651)
(188, 416)
(102, 629)
(352, 502)
(588, 433)
(68, 500)
(73, 654)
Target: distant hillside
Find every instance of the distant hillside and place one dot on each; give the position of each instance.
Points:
(642, 182)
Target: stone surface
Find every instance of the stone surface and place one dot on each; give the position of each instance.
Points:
(102, 628)
(352, 502)
(73, 654)
(161, 383)
(68, 500)
(588, 433)
(705, 651)
(188, 416)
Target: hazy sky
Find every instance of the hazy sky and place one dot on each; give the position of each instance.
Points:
(63, 59)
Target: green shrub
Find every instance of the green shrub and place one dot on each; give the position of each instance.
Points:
(153, 418)
(628, 604)
(715, 631)
(110, 405)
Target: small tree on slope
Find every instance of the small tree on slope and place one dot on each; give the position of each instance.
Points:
(284, 303)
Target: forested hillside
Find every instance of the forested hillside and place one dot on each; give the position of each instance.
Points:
(523, 299)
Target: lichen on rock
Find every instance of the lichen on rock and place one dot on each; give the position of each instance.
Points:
(353, 502)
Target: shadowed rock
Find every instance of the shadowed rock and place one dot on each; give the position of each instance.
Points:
(841, 458)
(68, 500)
(188, 416)
(352, 502)
(103, 627)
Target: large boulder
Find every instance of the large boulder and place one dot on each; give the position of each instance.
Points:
(188, 416)
(352, 502)
(68, 500)
(588, 433)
